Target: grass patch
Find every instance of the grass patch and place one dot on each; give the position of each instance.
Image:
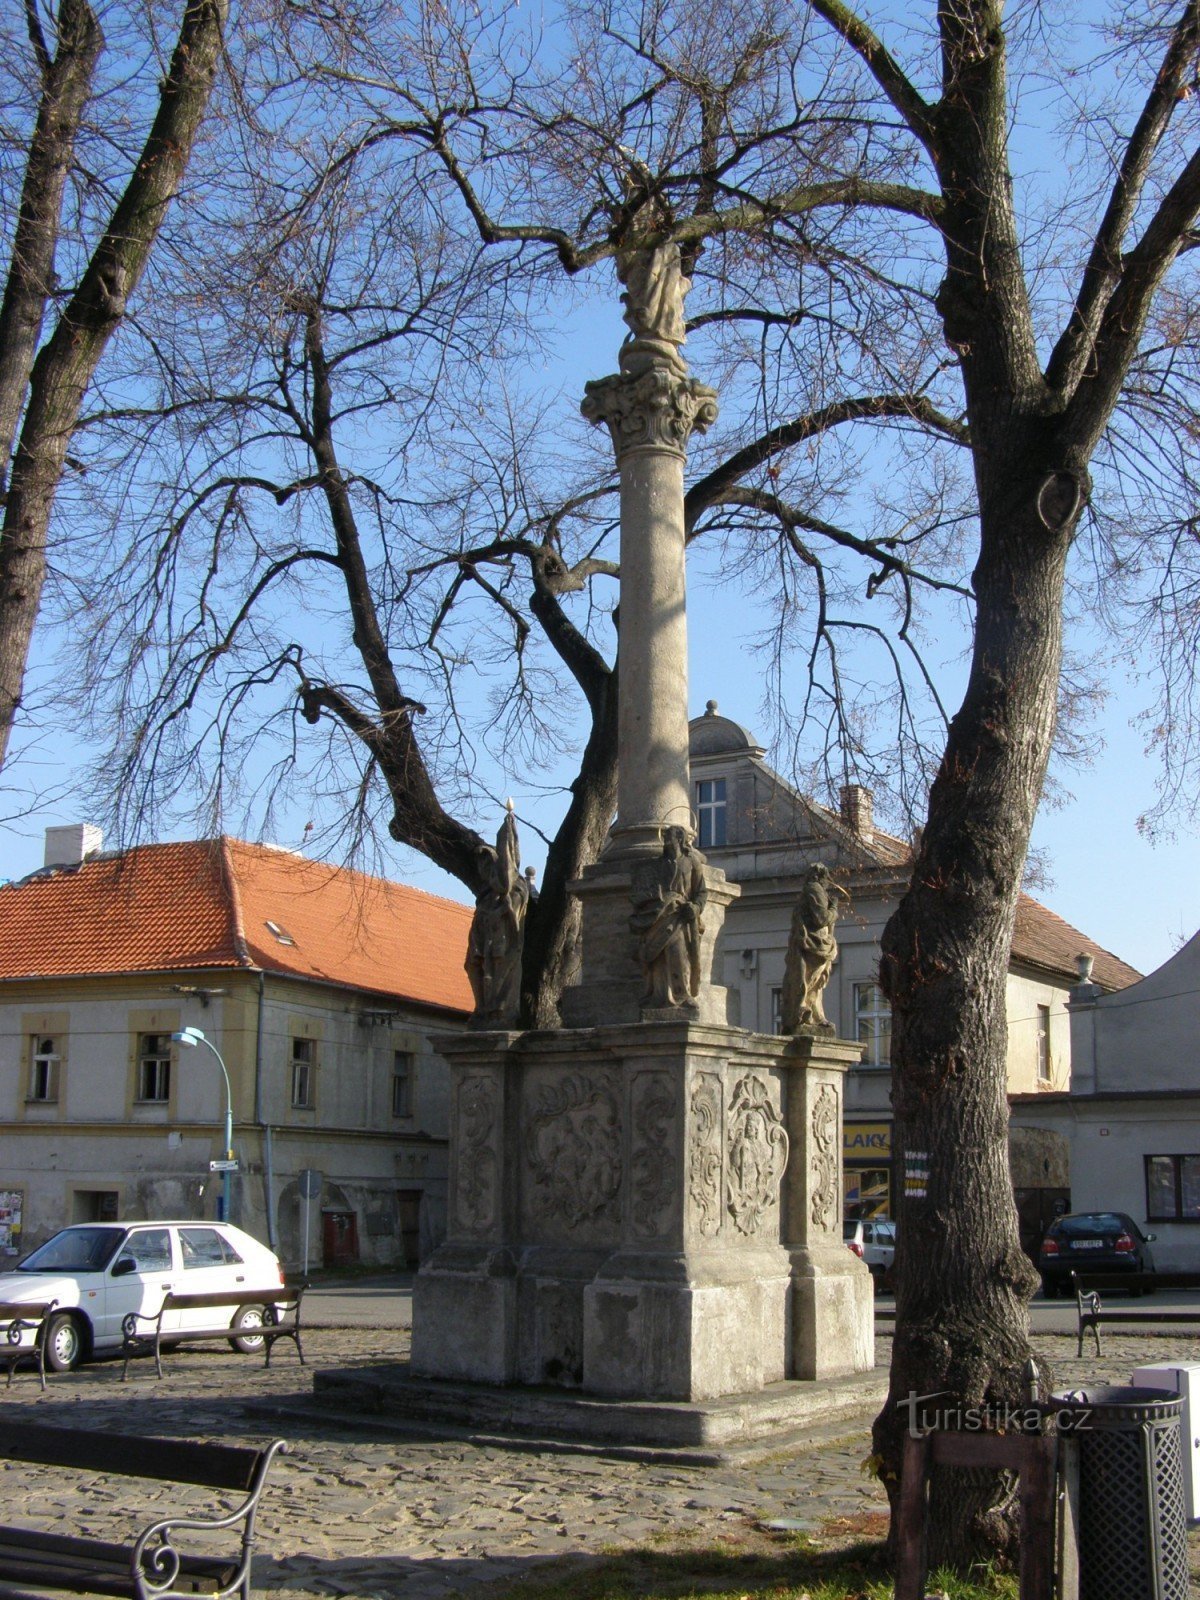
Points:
(844, 1560)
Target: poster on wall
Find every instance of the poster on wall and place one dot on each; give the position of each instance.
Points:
(12, 1202)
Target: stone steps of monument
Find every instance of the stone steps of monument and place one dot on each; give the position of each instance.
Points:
(329, 1414)
(781, 1417)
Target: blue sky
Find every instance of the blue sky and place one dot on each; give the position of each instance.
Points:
(1137, 899)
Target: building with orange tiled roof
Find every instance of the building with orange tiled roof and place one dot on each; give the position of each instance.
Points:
(319, 986)
(765, 834)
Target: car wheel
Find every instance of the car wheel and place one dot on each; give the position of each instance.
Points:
(64, 1343)
(1049, 1289)
(248, 1318)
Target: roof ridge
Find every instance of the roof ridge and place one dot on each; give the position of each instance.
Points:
(1096, 946)
(241, 948)
(394, 885)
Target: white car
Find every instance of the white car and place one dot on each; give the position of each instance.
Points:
(99, 1272)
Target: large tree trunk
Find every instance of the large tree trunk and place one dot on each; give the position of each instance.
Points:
(68, 360)
(66, 84)
(963, 1281)
(552, 929)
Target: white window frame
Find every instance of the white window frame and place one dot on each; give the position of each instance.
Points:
(1045, 1058)
(43, 1069)
(712, 813)
(878, 1011)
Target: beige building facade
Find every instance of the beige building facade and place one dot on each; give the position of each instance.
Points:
(765, 834)
(321, 1013)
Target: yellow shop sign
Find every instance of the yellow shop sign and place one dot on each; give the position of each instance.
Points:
(866, 1139)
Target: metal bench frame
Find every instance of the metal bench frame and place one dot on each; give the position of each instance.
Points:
(281, 1320)
(1093, 1312)
(16, 1319)
(150, 1566)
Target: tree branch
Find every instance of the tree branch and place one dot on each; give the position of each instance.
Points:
(1103, 269)
(883, 67)
(1125, 314)
(711, 489)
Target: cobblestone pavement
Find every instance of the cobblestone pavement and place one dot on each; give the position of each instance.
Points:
(361, 1512)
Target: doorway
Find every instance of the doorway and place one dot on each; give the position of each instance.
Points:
(339, 1238)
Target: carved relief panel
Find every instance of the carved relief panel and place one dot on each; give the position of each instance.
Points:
(572, 1140)
(758, 1152)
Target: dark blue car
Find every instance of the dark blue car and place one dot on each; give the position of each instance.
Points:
(1092, 1241)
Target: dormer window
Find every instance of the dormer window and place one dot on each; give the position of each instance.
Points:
(710, 810)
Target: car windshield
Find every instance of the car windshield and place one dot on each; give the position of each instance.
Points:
(849, 1230)
(1091, 1222)
(75, 1250)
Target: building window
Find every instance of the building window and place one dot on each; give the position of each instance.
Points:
(873, 1024)
(43, 1068)
(154, 1066)
(1045, 1065)
(304, 1056)
(402, 1084)
(710, 809)
(1173, 1188)
(776, 1010)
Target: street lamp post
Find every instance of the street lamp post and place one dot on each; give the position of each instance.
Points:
(192, 1037)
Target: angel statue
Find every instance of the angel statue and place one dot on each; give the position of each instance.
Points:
(497, 935)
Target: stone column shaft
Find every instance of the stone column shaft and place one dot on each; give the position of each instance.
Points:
(652, 407)
(652, 714)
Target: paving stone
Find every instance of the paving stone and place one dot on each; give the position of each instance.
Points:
(363, 1514)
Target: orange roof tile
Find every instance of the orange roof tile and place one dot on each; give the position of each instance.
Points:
(210, 903)
(1044, 939)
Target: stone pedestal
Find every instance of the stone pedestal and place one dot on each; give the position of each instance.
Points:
(650, 1211)
(611, 982)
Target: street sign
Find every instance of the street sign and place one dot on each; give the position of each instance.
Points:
(309, 1183)
(223, 1165)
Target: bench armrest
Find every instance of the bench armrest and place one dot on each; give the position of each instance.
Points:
(155, 1562)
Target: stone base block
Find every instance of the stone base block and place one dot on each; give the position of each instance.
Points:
(703, 1432)
(465, 1320)
(833, 1314)
(684, 1342)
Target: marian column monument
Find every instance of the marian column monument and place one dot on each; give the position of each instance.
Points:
(646, 1203)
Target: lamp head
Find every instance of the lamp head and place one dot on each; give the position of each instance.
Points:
(189, 1036)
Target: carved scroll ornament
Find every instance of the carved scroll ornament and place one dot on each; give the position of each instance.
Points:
(477, 1113)
(706, 1153)
(825, 1157)
(658, 410)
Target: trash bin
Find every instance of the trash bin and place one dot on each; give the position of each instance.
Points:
(1132, 1536)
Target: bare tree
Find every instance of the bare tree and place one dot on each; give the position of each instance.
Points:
(357, 296)
(42, 384)
(859, 266)
(691, 125)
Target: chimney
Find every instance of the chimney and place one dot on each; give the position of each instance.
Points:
(857, 811)
(68, 846)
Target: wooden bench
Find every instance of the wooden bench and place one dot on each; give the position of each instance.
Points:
(1032, 1456)
(17, 1318)
(1089, 1286)
(149, 1566)
(280, 1320)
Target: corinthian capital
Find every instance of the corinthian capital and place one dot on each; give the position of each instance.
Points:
(656, 409)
